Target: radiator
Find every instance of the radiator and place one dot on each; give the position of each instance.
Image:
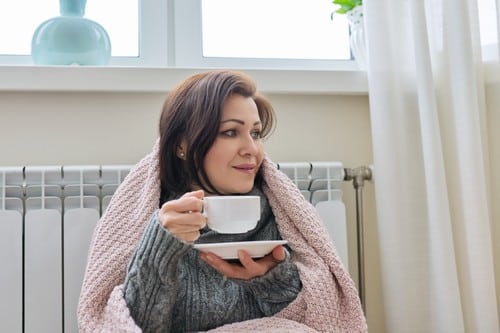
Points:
(47, 217)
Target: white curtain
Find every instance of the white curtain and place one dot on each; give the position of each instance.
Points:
(431, 166)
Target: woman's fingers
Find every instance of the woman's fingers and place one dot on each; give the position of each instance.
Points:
(189, 202)
(182, 217)
(235, 271)
(199, 195)
(279, 253)
(184, 222)
(248, 268)
(189, 236)
(252, 267)
(262, 266)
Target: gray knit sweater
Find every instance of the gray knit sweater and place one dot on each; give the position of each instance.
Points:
(168, 288)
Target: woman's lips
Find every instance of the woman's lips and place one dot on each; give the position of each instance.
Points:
(245, 168)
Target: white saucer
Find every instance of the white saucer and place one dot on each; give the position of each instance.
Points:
(229, 250)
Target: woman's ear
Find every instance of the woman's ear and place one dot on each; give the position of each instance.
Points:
(181, 150)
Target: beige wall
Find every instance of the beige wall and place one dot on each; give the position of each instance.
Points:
(50, 128)
(493, 123)
(76, 128)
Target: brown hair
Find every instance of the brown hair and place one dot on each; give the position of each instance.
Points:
(192, 113)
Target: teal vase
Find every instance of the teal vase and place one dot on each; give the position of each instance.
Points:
(71, 39)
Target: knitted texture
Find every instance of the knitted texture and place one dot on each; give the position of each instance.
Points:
(328, 301)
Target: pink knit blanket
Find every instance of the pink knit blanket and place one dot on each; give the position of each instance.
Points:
(328, 301)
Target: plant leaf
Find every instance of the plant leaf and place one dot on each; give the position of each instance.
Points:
(343, 2)
(346, 5)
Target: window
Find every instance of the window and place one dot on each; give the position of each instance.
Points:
(195, 33)
(278, 29)
(260, 34)
(488, 29)
(291, 34)
(14, 17)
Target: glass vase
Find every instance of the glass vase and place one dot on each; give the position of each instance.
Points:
(71, 39)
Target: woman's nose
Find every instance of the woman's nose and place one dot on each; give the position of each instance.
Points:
(249, 145)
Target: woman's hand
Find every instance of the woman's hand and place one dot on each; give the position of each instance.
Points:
(247, 268)
(182, 217)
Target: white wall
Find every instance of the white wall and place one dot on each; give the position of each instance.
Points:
(51, 128)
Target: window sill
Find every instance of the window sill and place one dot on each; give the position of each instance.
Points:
(134, 79)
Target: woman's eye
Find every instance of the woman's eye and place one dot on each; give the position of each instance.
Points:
(256, 134)
(229, 133)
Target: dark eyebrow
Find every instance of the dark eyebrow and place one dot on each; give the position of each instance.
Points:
(239, 121)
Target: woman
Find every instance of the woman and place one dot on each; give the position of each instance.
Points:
(145, 275)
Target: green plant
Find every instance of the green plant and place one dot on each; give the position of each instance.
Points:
(346, 5)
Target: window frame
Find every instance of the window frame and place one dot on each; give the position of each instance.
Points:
(170, 35)
(189, 53)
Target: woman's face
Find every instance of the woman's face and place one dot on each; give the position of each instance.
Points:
(237, 153)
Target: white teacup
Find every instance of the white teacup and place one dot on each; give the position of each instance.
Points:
(232, 214)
